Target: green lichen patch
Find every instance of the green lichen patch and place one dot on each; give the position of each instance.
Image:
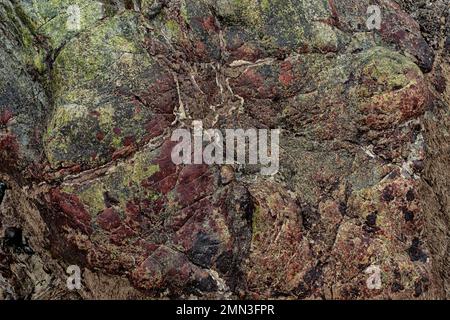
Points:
(61, 20)
(122, 183)
(103, 72)
(389, 69)
(295, 25)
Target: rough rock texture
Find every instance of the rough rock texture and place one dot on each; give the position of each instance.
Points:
(86, 117)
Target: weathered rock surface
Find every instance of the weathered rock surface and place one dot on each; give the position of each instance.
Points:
(86, 116)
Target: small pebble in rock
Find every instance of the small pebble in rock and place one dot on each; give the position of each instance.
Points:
(226, 174)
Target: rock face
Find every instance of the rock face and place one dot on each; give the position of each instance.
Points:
(90, 93)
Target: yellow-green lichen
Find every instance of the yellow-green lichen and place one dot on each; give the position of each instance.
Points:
(92, 197)
(39, 62)
(388, 72)
(173, 28)
(50, 17)
(66, 114)
(121, 43)
(106, 117)
(140, 172)
(258, 225)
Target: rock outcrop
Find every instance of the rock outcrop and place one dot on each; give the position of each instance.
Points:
(88, 104)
